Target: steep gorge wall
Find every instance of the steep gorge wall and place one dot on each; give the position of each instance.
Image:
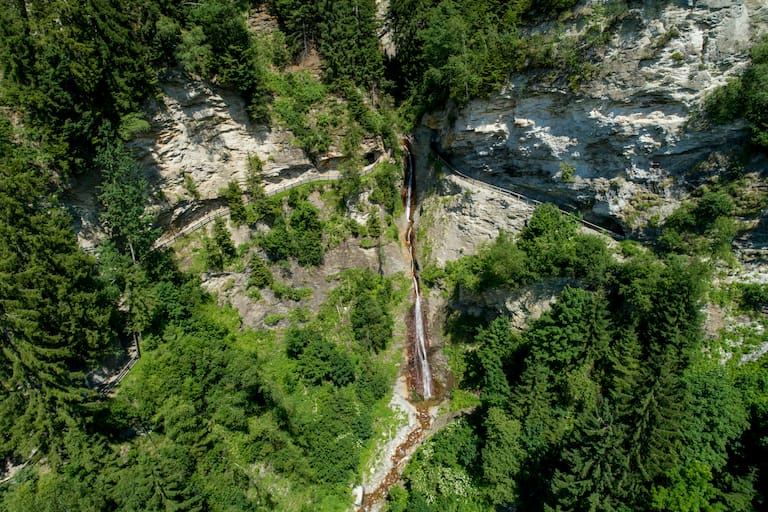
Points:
(627, 136)
(203, 134)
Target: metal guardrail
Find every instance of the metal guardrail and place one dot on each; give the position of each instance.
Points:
(270, 191)
(523, 197)
(107, 388)
(112, 384)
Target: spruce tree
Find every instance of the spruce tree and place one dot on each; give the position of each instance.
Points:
(54, 316)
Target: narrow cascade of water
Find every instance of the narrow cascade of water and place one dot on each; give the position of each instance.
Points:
(409, 198)
(420, 418)
(421, 347)
(420, 341)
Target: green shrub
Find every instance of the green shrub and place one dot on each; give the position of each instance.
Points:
(273, 319)
(754, 296)
(297, 94)
(745, 97)
(253, 293)
(371, 322)
(385, 190)
(282, 290)
(567, 172)
(190, 186)
(260, 276)
(300, 315)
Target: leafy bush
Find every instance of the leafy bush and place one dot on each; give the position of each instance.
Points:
(549, 246)
(296, 94)
(273, 319)
(371, 322)
(567, 172)
(301, 237)
(385, 190)
(745, 97)
(282, 290)
(754, 296)
(321, 361)
(704, 224)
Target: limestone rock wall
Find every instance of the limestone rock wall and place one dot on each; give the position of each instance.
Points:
(621, 147)
(202, 134)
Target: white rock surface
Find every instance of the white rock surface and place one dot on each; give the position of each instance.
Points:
(203, 133)
(626, 133)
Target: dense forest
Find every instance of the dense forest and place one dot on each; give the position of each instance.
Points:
(613, 399)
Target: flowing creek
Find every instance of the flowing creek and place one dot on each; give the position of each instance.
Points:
(418, 376)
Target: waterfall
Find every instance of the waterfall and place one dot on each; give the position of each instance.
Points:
(421, 346)
(409, 197)
(420, 341)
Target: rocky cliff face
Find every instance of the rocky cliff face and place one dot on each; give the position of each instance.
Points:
(621, 147)
(202, 139)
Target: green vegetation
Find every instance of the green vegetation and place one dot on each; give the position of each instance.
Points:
(716, 212)
(219, 249)
(462, 50)
(191, 187)
(259, 274)
(234, 196)
(385, 191)
(549, 246)
(296, 94)
(745, 97)
(754, 296)
(611, 400)
(299, 237)
(202, 420)
(123, 195)
(567, 172)
(54, 311)
(77, 69)
(343, 31)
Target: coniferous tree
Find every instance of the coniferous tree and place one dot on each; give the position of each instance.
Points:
(260, 275)
(348, 42)
(123, 194)
(502, 456)
(54, 316)
(597, 474)
(234, 197)
(655, 443)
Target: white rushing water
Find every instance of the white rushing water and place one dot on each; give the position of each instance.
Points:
(420, 343)
(409, 198)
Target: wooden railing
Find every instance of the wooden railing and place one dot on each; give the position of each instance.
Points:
(520, 197)
(108, 386)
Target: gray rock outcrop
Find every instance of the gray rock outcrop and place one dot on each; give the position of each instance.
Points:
(201, 136)
(620, 147)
